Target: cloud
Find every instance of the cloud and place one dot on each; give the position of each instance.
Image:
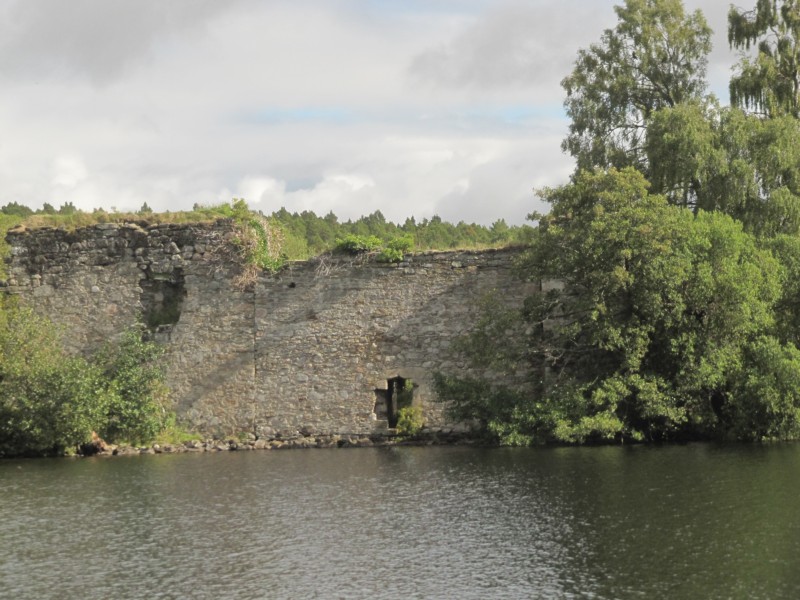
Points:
(96, 39)
(513, 44)
(68, 172)
(258, 190)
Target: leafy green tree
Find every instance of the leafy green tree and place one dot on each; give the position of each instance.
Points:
(764, 402)
(654, 58)
(684, 152)
(410, 225)
(786, 248)
(136, 409)
(49, 402)
(662, 320)
(499, 231)
(67, 208)
(14, 208)
(434, 233)
(769, 82)
(712, 158)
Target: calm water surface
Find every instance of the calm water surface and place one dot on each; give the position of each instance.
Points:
(697, 521)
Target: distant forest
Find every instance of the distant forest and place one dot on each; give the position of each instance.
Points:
(305, 234)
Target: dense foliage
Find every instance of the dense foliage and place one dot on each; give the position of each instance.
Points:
(51, 402)
(655, 58)
(767, 82)
(136, 408)
(48, 401)
(666, 327)
(677, 245)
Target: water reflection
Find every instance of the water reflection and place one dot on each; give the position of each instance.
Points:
(689, 521)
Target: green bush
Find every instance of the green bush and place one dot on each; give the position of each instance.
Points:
(49, 402)
(402, 244)
(358, 244)
(410, 420)
(260, 242)
(395, 249)
(389, 255)
(136, 408)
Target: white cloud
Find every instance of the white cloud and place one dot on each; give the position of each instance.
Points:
(68, 172)
(257, 190)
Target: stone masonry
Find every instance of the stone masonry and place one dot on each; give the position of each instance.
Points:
(309, 351)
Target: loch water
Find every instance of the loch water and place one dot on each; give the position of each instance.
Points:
(692, 521)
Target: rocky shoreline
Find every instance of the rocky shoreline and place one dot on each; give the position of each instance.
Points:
(250, 442)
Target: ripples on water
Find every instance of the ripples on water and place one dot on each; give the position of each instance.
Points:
(685, 522)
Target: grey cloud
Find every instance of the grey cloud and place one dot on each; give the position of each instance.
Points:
(505, 188)
(95, 39)
(534, 44)
(514, 45)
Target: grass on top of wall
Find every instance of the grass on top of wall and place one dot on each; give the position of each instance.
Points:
(302, 235)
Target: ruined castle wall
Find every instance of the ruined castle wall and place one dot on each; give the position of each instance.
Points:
(331, 334)
(309, 350)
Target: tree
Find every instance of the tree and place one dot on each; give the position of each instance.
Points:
(49, 401)
(655, 57)
(769, 82)
(499, 231)
(136, 409)
(67, 209)
(16, 209)
(664, 318)
(712, 158)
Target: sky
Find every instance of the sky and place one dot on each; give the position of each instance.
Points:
(411, 107)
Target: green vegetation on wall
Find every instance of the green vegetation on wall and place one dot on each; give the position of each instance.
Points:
(677, 242)
(51, 402)
(266, 242)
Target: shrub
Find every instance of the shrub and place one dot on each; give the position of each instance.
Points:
(357, 244)
(49, 402)
(136, 408)
(402, 244)
(389, 255)
(410, 420)
(395, 249)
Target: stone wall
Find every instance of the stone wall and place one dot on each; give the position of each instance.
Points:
(310, 350)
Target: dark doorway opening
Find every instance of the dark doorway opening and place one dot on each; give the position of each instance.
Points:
(399, 395)
(162, 299)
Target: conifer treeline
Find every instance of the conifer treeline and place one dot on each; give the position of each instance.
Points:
(308, 234)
